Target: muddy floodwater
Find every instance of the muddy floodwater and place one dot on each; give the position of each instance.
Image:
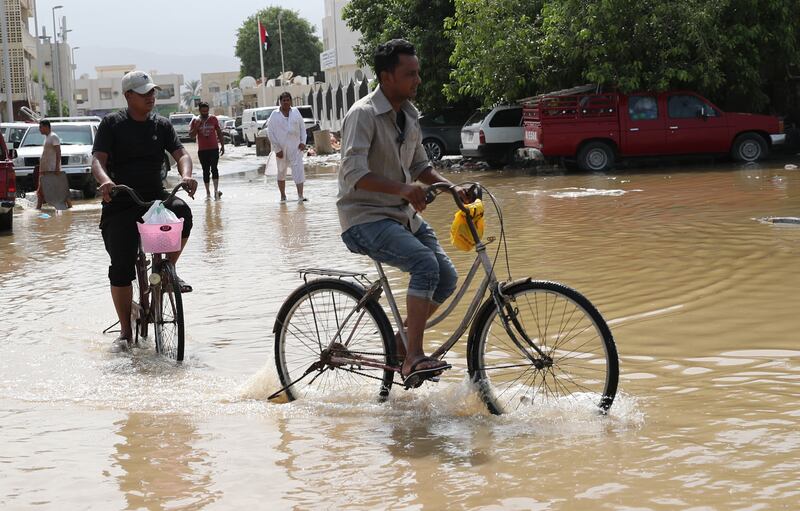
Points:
(702, 298)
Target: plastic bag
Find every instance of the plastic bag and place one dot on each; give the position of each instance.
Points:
(460, 235)
(159, 214)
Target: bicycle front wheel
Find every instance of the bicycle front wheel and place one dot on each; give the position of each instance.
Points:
(319, 320)
(579, 362)
(167, 309)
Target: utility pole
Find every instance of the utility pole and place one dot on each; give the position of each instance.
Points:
(55, 63)
(335, 17)
(6, 62)
(73, 107)
(280, 39)
(39, 45)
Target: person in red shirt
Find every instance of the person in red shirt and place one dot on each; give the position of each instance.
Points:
(206, 129)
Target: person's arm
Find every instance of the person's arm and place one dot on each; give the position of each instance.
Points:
(57, 151)
(273, 135)
(100, 173)
(185, 169)
(194, 127)
(301, 126)
(220, 138)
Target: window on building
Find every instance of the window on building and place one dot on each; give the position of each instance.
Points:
(213, 89)
(166, 92)
(105, 93)
(81, 95)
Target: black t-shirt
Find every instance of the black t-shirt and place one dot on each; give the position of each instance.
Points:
(136, 150)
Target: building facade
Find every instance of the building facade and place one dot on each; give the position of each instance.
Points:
(22, 56)
(338, 41)
(102, 95)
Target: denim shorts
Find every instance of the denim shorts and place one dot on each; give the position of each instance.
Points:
(433, 276)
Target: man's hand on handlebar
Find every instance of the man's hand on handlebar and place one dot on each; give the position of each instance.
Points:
(415, 196)
(190, 185)
(105, 190)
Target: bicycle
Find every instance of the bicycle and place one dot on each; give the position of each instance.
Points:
(530, 339)
(157, 296)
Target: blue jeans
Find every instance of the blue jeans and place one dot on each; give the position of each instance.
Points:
(433, 276)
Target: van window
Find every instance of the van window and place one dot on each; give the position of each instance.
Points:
(476, 118)
(263, 115)
(508, 118)
(180, 121)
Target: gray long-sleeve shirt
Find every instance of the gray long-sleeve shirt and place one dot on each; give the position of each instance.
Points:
(372, 142)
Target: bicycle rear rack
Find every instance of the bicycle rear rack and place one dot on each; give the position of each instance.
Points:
(358, 277)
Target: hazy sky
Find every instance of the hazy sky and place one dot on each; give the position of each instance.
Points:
(169, 36)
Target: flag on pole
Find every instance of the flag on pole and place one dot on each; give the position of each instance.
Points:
(264, 36)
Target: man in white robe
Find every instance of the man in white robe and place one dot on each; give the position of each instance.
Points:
(287, 135)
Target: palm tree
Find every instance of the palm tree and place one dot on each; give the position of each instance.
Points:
(193, 89)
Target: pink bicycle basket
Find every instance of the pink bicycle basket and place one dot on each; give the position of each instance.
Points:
(161, 238)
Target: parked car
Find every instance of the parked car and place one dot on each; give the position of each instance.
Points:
(230, 133)
(181, 121)
(309, 121)
(14, 131)
(8, 188)
(493, 135)
(77, 139)
(596, 130)
(254, 120)
(441, 131)
(238, 126)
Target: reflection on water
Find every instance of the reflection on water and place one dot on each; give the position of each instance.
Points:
(701, 298)
(160, 466)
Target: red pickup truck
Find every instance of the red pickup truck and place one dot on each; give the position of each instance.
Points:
(594, 130)
(8, 188)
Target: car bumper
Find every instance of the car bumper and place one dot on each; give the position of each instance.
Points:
(778, 139)
(76, 174)
(530, 153)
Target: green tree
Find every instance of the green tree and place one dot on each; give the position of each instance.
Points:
(419, 21)
(51, 99)
(301, 47)
(731, 50)
(192, 90)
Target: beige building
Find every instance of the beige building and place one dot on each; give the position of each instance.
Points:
(338, 41)
(101, 95)
(22, 55)
(218, 90)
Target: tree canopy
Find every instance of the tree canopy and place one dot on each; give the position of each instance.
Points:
(419, 21)
(301, 47)
(734, 51)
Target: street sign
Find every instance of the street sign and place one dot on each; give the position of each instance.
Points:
(327, 59)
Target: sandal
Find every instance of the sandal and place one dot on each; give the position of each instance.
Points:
(417, 376)
(184, 287)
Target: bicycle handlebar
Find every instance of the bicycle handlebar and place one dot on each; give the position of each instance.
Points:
(473, 192)
(138, 200)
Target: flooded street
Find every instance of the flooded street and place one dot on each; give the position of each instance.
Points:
(701, 297)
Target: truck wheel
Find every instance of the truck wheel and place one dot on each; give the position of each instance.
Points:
(89, 189)
(595, 157)
(749, 147)
(165, 166)
(7, 220)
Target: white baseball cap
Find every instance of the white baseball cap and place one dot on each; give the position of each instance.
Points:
(139, 82)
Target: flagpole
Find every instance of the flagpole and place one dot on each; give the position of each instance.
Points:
(261, 56)
(280, 39)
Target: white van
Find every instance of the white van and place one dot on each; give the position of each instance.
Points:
(253, 120)
(181, 122)
(14, 131)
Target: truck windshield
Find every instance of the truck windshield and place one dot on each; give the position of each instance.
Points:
(69, 135)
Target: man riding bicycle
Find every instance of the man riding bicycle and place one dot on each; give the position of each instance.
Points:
(129, 150)
(378, 202)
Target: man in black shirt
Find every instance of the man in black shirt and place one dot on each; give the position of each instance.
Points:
(129, 150)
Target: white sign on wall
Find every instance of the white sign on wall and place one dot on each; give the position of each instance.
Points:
(327, 59)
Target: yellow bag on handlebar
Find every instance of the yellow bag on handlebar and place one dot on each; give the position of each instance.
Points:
(460, 235)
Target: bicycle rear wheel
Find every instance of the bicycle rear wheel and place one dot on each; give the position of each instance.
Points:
(314, 323)
(167, 306)
(580, 363)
